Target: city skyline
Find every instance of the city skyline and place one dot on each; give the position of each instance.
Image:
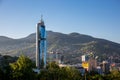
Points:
(101, 18)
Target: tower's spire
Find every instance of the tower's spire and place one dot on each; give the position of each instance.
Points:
(42, 19)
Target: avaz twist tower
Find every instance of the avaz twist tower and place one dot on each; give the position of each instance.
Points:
(41, 45)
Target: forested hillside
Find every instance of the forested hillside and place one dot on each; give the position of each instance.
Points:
(71, 46)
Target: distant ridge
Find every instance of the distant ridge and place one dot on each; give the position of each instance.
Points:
(72, 46)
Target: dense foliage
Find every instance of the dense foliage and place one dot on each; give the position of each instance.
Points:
(22, 69)
(54, 72)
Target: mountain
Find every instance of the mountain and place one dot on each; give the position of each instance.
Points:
(71, 46)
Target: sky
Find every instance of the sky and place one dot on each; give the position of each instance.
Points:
(98, 18)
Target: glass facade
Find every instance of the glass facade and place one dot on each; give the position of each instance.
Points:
(42, 44)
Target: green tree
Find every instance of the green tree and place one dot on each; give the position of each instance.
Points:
(1, 75)
(5, 68)
(52, 65)
(115, 75)
(54, 72)
(72, 73)
(22, 69)
(96, 77)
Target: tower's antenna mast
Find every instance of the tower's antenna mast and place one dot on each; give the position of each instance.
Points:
(41, 17)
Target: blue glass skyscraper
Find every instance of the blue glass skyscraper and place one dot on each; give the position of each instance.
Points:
(41, 45)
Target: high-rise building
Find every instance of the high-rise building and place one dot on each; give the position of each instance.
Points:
(41, 45)
(92, 64)
(105, 67)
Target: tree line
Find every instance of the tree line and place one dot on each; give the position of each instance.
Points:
(21, 68)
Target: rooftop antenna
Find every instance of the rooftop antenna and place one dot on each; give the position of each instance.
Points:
(41, 17)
